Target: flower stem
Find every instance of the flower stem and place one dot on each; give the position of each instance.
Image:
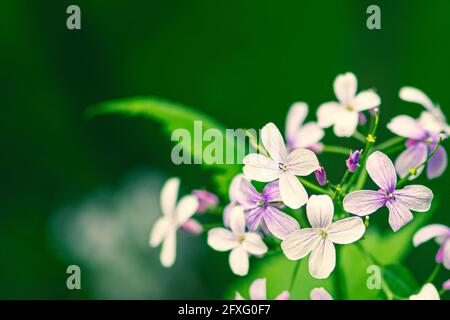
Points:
(339, 279)
(359, 136)
(313, 187)
(294, 275)
(336, 149)
(389, 143)
(434, 274)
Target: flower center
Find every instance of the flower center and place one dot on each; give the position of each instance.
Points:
(390, 196)
(349, 107)
(323, 233)
(240, 238)
(282, 167)
(260, 203)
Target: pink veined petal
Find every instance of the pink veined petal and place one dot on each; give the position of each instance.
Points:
(446, 257)
(320, 294)
(399, 215)
(411, 157)
(260, 168)
(322, 260)
(407, 127)
(428, 292)
(364, 202)
(326, 114)
(258, 290)
(283, 296)
(320, 211)
(302, 162)
(437, 164)
(279, 223)
(239, 261)
(168, 199)
(414, 95)
(221, 239)
(248, 196)
(347, 230)
(345, 123)
(366, 100)
(415, 197)
(382, 171)
(310, 134)
(237, 221)
(254, 244)
(254, 216)
(273, 142)
(292, 191)
(238, 296)
(345, 86)
(186, 208)
(429, 232)
(271, 191)
(299, 243)
(168, 251)
(295, 118)
(159, 231)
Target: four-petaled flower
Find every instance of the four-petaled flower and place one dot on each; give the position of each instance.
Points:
(399, 202)
(441, 234)
(174, 216)
(282, 166)
(258, 292)
(300, 134)
(240, 242)
(319, 240)
(428, 292)
(344, 115)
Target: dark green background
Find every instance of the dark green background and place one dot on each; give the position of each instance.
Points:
(242, 62)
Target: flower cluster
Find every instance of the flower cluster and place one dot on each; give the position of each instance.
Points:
(272, 201)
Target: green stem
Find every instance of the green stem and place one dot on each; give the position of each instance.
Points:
(359, 136)
(336, 149)
(294, 275)
(339, 278)
(313, 187)
(389, 143)
(254, 143)
(434, 274)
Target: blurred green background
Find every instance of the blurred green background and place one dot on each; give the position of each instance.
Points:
(241, 62)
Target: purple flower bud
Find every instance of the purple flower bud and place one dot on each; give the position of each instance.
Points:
(353, 161)
(206, 200)
(321, 176)
(446, 285)
(362, 118)
(192, 226)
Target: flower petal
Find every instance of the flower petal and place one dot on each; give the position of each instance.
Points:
(399, 215)
(221, 239)
(239, 261)
(271, 192)
(237, 220)
(320, 294)
(430, 122)
(248, 197)
(363, 202)
(159, 231)
(254, 244)
(320, 211)
(168, 251)
(446, 257)
(428, 292)
(273, 142)
(407, 127)
(295, 118)
(168, 198)
(310, 134)
(429, 232)
(238, 296)
(192, 226)
(347, 230)
(299, 243)
(283, 296)
(437, 164)
(292, 191)
(253, 217)
(382, 171)
(326, 114)
(415, 197)
(414, 95)
(186, 208)
(345, 123)
(345, 87)
(258, 290)
(322, 260)
(411, 157)
(302, 162)
(279, 223)
(234, 188)
(260, 168)
(366, 100)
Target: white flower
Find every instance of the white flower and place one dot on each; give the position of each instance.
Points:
(428, 292)
(344, 115)
(240, 242)
(282, 166)
(258, 291)
(319, 240)
(174, 216)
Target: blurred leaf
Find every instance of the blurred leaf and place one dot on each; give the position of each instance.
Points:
(400, 280)
(175, 116)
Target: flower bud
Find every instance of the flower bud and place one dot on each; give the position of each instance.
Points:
(446, 285)
(192, 226)
(353, 160)
(206, 200)
(321, 176)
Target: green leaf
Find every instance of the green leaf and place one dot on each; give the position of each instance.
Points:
(175, 116)
(400, 280)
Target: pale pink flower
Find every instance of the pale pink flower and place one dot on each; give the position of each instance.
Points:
(258, 292)
(399, 202)
(441, 234)
(282, 166)
(428, 292)
(241, 243)
(344, 114)
(320, 294)
(320, 239)
(175, 215)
